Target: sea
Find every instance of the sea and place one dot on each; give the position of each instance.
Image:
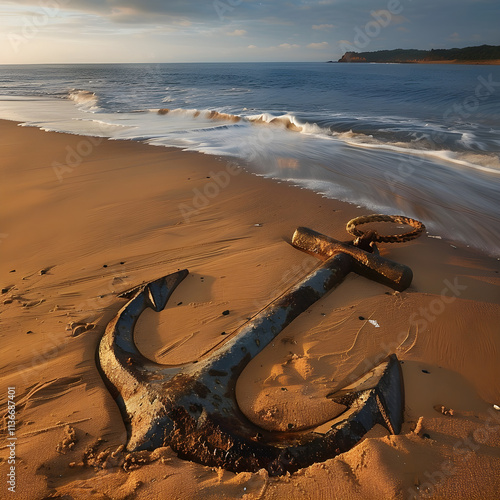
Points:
(412, 139)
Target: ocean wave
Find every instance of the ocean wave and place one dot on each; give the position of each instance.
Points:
(285, 121)
(470, 141)
(288, 121)
(195, 113)
(84, 99)
(489, 163)
(103, 125)
(398, 142)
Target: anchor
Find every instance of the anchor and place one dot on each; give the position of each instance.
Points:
(193, 409)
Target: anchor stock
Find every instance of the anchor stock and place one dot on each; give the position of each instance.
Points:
(370, 265)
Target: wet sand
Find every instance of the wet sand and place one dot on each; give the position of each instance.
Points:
(84, 219)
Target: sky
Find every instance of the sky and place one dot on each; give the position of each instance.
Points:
(119, 31)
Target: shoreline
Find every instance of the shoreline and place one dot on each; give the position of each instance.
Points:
(493, 62)
(127, 212)
(310, 158)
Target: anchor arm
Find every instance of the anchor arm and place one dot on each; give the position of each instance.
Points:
(125, 370)
(117, 347)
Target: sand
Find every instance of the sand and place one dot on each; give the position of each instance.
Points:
(84, 219)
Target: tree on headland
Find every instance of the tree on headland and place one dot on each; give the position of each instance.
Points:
(479, 53)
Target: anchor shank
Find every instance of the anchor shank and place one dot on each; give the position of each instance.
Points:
(254, 336)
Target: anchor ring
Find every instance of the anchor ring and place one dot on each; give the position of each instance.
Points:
(418, 228)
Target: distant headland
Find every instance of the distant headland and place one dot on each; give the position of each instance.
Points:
(482, 54)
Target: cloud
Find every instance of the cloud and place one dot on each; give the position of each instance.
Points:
(318, 46)
(134, 11)
(193, 30)
(384, 17)
(275, 48)
(183, 22)
(276, 21)
(322, 26)
(237, 33)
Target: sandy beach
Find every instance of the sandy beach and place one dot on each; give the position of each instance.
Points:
(84, 219)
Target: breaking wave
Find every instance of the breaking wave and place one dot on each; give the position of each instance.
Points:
(194, 113)
(286, 121)
(485, 162)
(401, 142)
(84, 99)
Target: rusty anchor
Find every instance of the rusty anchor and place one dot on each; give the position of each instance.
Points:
(193, 409)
